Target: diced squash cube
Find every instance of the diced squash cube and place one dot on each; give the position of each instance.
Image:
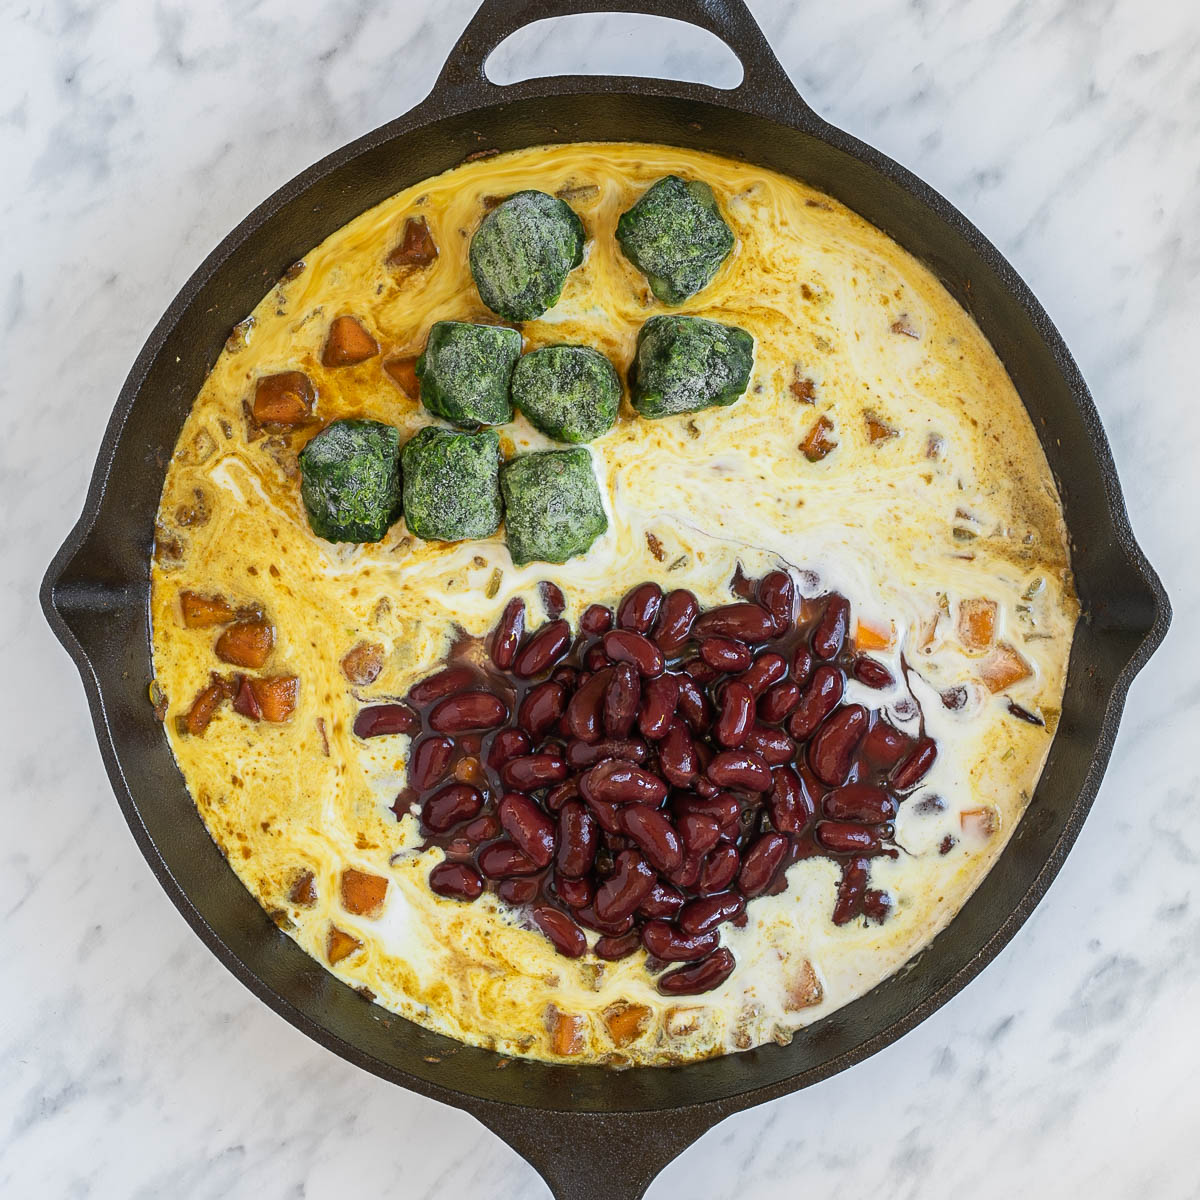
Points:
(870, 635)
(979, 823)
(276, 696)
(404, 372)
(362, 663)
(566, 1030)
(246, 644)
(339, 945)
(203, 612)
(284, 400)
(204, 707)
(348, 343)
(626, 1022)
(417, 247)
(817, 442)
(1003, 667)
(363, 893)
(878, 430)
(977, 624)
(303, 892)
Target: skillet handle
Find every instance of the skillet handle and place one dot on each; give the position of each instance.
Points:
(765, 86)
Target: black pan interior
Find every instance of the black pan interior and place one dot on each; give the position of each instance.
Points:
(97, 590)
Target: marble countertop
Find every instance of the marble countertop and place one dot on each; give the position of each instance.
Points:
(136, 135)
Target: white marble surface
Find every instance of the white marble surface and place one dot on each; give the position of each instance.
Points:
(132, 1064)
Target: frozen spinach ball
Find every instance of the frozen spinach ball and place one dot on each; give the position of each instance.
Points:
(570, 393)
(350, 480)
(522, 252)
(675, 235)
(452, 484)
(465, 371)
(683, 364)
(552, 508)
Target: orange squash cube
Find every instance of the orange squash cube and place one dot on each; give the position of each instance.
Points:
(362, 663)
(348, 343)
(417, 247)
(404, 372)
(1003, 667)
(804, 989)
(977, 624)
(363, 893)
(246, 644)
(626, 1022)
(872, 636)
(566, 1031)
(204, 707)
(979, 823)
(275, 696)
(203, 612)
(339, 945)
(817, 442)
(285, 400)
(304, 890)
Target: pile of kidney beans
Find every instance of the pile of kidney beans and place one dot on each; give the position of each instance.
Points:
(648, 776)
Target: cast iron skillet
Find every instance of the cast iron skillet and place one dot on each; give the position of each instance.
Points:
(590, 1132)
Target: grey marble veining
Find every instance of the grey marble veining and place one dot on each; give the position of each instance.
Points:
(134, 136)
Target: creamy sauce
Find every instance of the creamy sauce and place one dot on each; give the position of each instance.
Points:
(955, 503)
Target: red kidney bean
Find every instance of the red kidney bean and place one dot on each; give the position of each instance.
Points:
(698, 833)
(871, 672)
(767, 668)
(877, 905)
(595, 659)
(817, 701)
(588, 917)
(885, 745)
(528, 826)
(916, 766)
(699, 671)
(705, 914)
(747, 622)
(778, 702)
(429, 761)
(639, 609)
(542, 707)
(613, 948)
(482, 829)
(581, 756)
(451, 806)
(705, 786)
(654, 835)
(660, 697)
(850, 891)
(777, 594)
(831, 751)
(720, 869)
(553, 601)
(381, 719)
(761, 862)
(860, 802)
(663, 901)
(844, 838)
(541, 651)
(773, 746)
(529, 772)
(741, 770)
(699, 977)
(501, 859)
(625, 888)
(687, 874)
(456, 881)
(585, 708)
(724, 808)
(517, 890)
(791, 806)
(596, 619)
(622, 782)
(621, 699)
(608, 814)
(468, 710)
(508, 743)
(693, 704)
(726, 655)
(802, 665)
(558, 795)
(506, 637)
(567, 937)
(666, 942)
(568, 676)
(830, 634)
(735, 715)
(575, 893)
(677, 755)
(625, 646)
(578, 839)
(443, 683)
(675, 618)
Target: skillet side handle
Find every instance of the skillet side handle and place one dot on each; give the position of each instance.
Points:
(597, 1156)
(765, 88)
